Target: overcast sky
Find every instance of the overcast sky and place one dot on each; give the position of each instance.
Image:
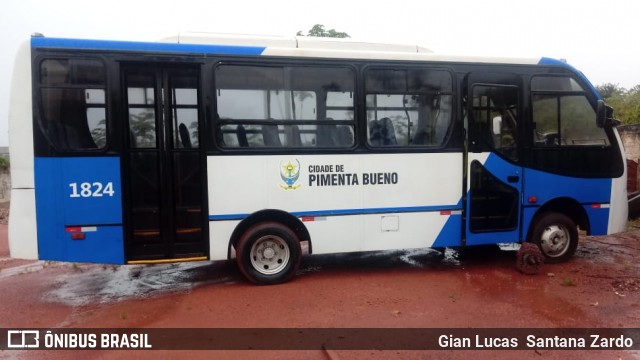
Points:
(598, 37)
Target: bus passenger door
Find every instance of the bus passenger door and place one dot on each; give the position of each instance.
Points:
(164, 165)
(493, 171)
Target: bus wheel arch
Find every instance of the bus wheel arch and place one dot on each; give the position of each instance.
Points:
(271, 215)
(554, 229)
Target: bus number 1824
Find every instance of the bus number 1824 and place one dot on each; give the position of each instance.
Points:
(86, 189)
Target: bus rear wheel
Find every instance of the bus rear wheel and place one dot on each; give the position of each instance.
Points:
(268, 253)
(556, 235)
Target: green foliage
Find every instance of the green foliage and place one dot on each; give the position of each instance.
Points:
(609, 90)
(4, 164)
(143, 127)
(99, 133)
(626, 103)
(318, 30)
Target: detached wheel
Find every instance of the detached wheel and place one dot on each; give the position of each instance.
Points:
(268, 253)
(529, 259)
(556, 235)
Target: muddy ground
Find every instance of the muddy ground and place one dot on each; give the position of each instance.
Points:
(599, 287)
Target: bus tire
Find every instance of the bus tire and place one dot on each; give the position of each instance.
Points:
(268, 253)
(556, 235)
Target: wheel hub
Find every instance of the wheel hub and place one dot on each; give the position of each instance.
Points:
(268, 253)
(555, 240)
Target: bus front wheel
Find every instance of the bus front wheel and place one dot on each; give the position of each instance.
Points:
(556, 235)
(268, 253)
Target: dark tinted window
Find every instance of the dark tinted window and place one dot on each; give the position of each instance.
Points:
(495, 119)
(565, 135)
(73, 98)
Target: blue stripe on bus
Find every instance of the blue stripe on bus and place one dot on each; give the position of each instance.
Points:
(339, 212)
(451, 233)
(57, 43)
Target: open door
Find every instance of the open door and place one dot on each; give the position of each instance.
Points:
(493, 171)
(164, 168)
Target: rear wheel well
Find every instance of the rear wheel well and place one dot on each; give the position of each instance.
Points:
(568, 207)
(271, 215)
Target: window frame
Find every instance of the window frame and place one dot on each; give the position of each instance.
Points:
(558, 95)
(583, 161)
(477, 123)
(453, 93)
(45, 139)
(217, 123)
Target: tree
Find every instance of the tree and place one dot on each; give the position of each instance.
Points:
(4, 164)
(99, 134)
(609, 90)
(626, 103)
(318, 30)
(143, 128)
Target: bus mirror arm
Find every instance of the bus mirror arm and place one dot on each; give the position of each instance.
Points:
(604, 115)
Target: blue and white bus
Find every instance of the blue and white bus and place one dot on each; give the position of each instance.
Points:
(218, 147)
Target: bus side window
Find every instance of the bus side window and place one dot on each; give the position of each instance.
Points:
(185, 137)
(73, 98)
(241, 132)
(345, 136)
(285, 106)
(271, 136)
(292, 136)
(562, 114)
(565, 135)
(408, 107)
(495, 120)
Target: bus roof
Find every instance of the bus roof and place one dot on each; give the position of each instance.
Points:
(300, 46)
(300, 42)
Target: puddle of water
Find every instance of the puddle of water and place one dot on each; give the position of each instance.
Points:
(95, 284)
(412, 258)
(98, 284)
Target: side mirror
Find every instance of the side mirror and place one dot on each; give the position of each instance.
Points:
(604, 115)
(609, 116)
